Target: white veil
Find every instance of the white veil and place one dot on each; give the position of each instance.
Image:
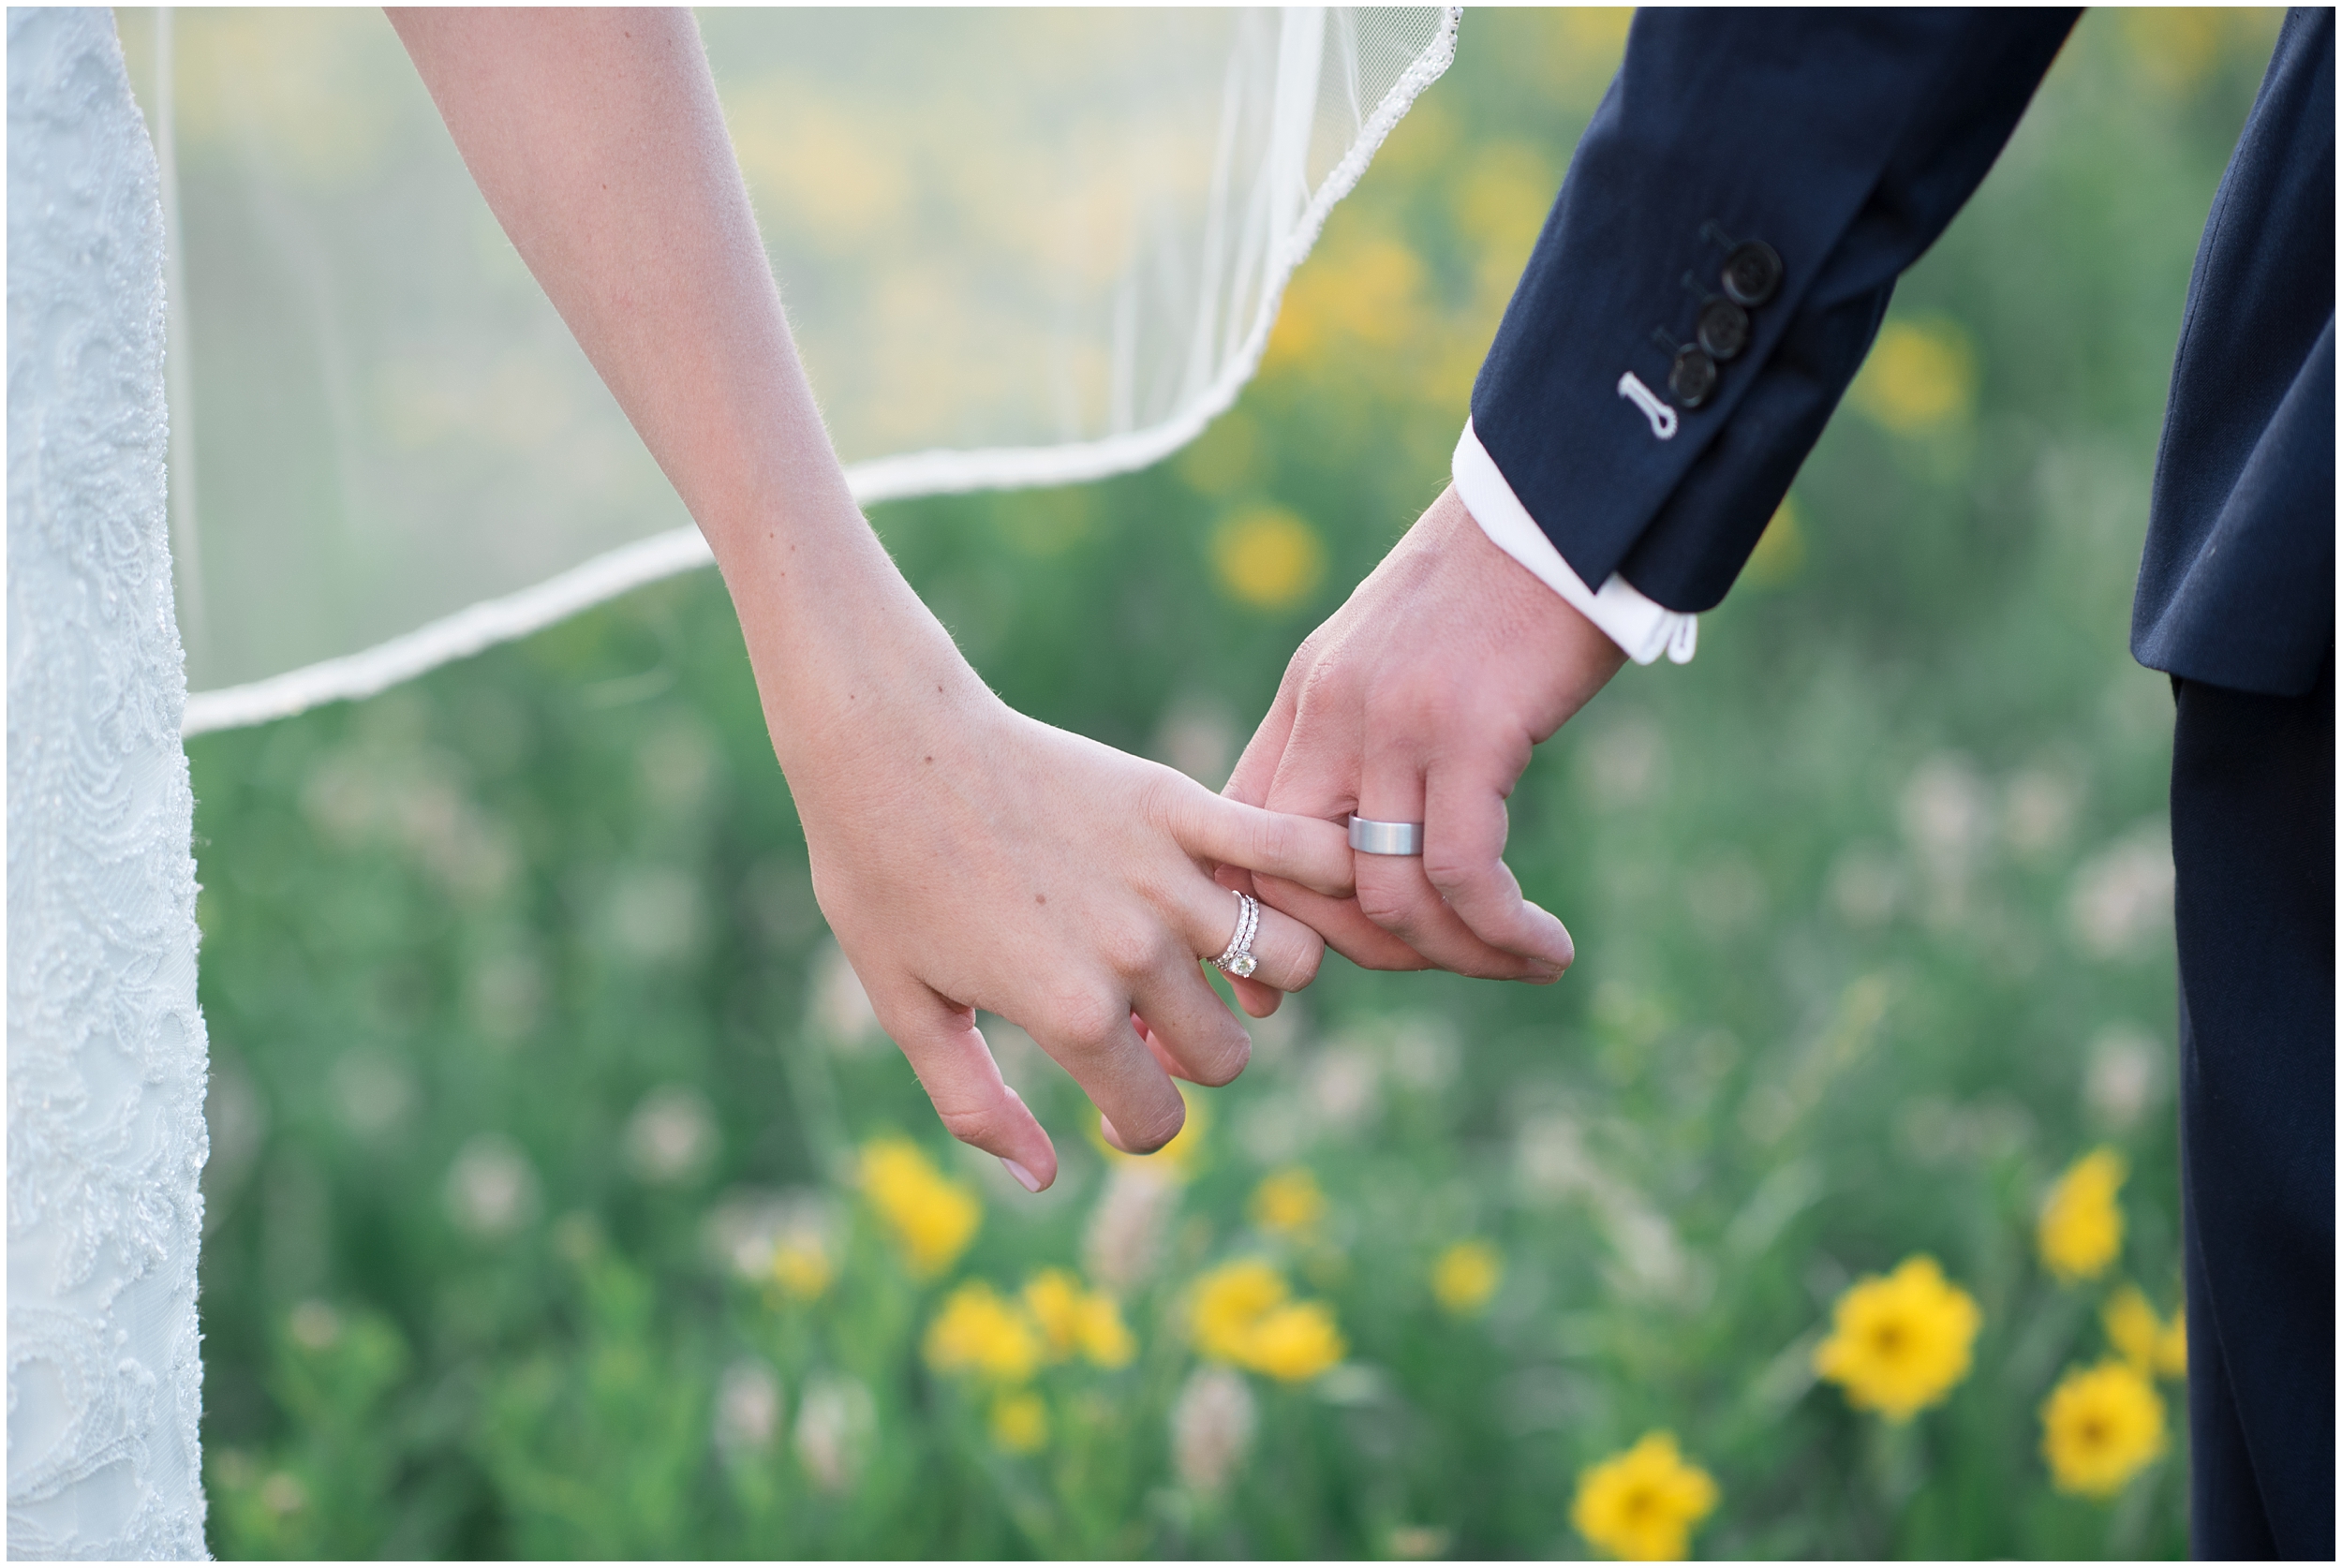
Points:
(1019, 247)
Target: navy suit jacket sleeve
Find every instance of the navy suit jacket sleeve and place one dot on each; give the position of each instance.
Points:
(1843, 140)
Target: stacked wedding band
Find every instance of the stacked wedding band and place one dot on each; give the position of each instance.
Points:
(1238, 960)
(1386, 839)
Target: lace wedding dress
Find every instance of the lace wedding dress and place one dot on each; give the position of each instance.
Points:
(106, 1046)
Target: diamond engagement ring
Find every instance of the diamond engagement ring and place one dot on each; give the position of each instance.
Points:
(1238, 960)
(1386, 839)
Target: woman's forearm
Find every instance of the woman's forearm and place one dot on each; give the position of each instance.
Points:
(597, 140)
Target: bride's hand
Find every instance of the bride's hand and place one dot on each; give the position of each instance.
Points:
(997, 863)
(967, 857)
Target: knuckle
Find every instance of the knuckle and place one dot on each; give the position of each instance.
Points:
(1279, 840)
(1160, 888)
(1337, 863)
(1391, 907)
(1448, 871)
(1130, 951)
(1305, 658)
(1323, 684)
(1089, 1023)
(1160, 801)
(982, 1127)
(1413, 716)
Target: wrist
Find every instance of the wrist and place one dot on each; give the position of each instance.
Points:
(1640, 626)
(1536, 635)
(848, 661)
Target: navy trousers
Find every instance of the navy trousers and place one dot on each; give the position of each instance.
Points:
(2252, 837)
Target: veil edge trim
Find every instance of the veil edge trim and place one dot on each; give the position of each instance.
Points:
(943, 471)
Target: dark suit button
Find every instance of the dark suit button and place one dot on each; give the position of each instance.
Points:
(1693, 376)
(1752, 273)
(1723, 329)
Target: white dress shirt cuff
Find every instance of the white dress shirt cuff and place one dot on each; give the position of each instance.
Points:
(1642, 627)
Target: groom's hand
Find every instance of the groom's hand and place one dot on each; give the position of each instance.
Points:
(1419, 701)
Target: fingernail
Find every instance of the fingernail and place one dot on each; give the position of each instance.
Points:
(1030, 1182)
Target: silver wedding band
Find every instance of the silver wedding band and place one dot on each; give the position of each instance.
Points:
(1238, 960)
(1386, 839)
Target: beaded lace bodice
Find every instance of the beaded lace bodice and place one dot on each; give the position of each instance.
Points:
(106, 1046)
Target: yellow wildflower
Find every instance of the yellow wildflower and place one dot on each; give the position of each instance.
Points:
(1296, 1344)
(1373, 289)
(2099, 1428)
(1106, 1338)
(2143, 1340)
(1230, 1303)
(802, 1267)
(1288, 1203)
(2132, 1327)
(1466, 1275)
(1499, 197)
(1642, 1505)
(1899, 1344)
(2082, 1224)
(1054, 1297)
(1020, 1422)
(978, 1332)
(1268, 557)
(1919, 376)
(932, 1217)
(1241, 1313)
(1077, 1321)
(1368, 292)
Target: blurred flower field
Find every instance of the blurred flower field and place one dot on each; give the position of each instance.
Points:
(564, 1200)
